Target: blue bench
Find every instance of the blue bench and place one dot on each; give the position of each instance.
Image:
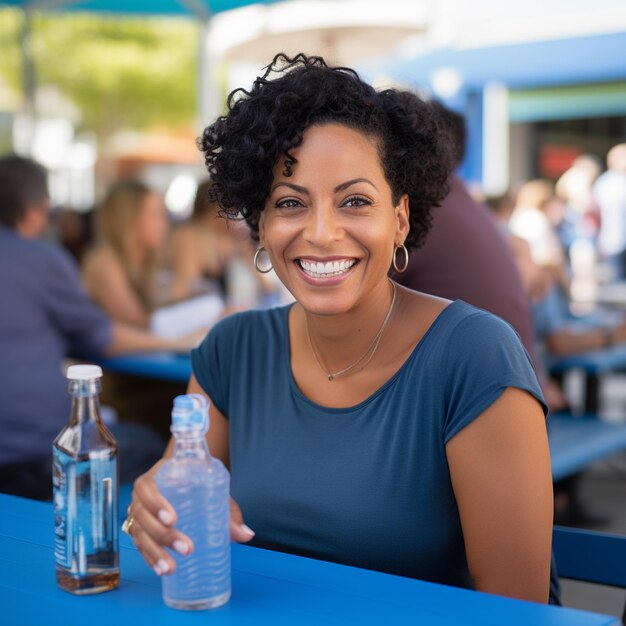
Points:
(593, 364)
(590, 556)
(577, 441)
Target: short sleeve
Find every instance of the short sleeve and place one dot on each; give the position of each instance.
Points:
(212, 362)
(85, 327)
(485, 357)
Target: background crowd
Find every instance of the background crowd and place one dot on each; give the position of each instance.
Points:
(516, 255)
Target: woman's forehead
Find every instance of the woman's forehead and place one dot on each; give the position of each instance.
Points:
(343, 146)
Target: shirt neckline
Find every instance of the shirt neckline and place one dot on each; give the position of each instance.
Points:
(356, 407)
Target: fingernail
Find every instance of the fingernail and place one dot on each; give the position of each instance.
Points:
(157, 569)
(163, 566)
(165, 516)
(247, 530)
(181, 547)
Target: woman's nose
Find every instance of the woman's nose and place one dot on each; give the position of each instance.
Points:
(322, 226)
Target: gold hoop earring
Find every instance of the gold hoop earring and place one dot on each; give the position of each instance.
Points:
(256, 261)
(406, 258)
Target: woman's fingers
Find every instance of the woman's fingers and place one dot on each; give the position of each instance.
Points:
(147, 494)
(157, 558)
(239, 532)
(153, 526)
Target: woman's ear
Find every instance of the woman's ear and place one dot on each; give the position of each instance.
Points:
(402, 218)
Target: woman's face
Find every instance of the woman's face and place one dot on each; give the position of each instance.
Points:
(151, 224)
(330, 228)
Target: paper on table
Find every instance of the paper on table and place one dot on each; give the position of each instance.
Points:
(185, 317)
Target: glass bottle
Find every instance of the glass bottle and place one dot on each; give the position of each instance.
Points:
(198, 488)
(85, 486)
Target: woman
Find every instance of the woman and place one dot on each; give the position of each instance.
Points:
(209, 252)
(365, 424)
(119, 273)
(201, 248)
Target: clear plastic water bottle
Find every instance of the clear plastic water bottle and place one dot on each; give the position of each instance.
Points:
(85, 490)
(198, 487)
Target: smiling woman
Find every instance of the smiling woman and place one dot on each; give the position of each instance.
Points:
(366, 423)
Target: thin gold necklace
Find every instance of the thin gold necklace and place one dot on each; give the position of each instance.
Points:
(371, 350)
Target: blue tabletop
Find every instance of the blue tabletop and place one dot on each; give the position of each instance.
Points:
(160, 365)
(592, 362)
(268, 588)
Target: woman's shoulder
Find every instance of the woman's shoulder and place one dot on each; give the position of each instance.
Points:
(451, 327)
(467, 320)
(262, 324)
(240, 336)
(442, 317)
(100, 255)
(101, 266)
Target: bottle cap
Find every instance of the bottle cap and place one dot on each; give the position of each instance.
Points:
(190, 413)
(84, 372)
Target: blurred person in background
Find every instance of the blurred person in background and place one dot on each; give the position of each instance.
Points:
(581, 212)
(609, 191)
(466, 256)
(535, 280)
(45, 317)
(211, 252)
(200, 249)
(72, 230)
(120, 272)
(537, 214)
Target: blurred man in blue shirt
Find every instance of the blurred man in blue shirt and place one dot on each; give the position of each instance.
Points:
(45, 316)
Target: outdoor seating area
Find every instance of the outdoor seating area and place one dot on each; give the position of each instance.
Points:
(314, 311)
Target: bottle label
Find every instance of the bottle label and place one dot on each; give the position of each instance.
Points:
(61, 521)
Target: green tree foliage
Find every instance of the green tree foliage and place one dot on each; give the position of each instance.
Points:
(120, 72)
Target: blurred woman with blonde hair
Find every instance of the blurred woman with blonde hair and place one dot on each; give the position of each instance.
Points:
(120, 272)
(537, 213)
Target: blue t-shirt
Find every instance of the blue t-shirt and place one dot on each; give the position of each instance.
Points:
(45, 316)
(367, 485)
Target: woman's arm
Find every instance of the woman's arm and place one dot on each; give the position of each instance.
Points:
(107, 284)
(185, 264)
(500, 471)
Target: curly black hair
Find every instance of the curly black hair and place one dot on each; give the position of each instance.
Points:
(267, 122)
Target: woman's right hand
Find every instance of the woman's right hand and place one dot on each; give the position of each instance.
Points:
(154, 525)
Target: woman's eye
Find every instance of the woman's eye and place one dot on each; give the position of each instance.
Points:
(288, 203)
(355, 201)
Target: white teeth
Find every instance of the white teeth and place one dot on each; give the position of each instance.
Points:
(324, 270)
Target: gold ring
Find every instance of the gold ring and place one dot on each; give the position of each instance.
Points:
(128, 524)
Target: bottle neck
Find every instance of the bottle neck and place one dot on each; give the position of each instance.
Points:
(85, 401)
(191, 445)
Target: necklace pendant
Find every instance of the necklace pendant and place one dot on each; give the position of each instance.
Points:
(331, 377)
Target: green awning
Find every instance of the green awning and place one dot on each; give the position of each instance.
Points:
(568, 102)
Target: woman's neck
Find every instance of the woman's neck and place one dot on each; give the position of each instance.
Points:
(337, 341)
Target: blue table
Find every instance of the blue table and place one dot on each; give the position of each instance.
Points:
(593, 364)
(160, 365)
(268, 588)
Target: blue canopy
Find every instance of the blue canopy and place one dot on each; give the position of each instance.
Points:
(591, 58)
(197, 8)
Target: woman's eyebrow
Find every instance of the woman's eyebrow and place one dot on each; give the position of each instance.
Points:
(340, 187)
(297, 188)
(353, 181)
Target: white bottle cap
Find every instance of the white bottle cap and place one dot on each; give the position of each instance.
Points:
(84, 372)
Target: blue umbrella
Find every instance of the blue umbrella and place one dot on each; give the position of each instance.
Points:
(202, 9)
